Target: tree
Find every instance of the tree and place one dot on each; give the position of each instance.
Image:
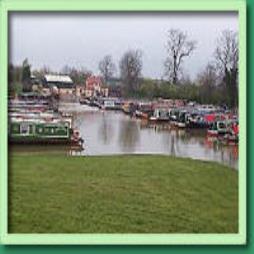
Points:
(227, 57)
(130, 70)
(78, 75)
(26, 75)
(66, 70)
(11, 72)
(147, 89)
(45, 70)
(15, 85)
(178, 48)
(207, 80)
(107, 68)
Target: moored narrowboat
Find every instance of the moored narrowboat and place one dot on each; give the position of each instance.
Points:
(197, 121)
(232, 136)
(160, 114)
(84, 101)
(129, 107)
(111, 104)
(178, 118)
(144, 110)
(30, 131)
(217, 128)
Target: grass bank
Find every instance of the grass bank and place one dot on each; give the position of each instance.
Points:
(120, 194)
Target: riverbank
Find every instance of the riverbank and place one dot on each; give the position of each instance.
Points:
(120, 194)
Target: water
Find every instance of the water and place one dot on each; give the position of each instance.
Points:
(113, 132)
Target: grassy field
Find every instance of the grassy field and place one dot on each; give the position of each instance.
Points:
(120, 194)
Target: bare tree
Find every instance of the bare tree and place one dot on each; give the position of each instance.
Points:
(207, 80)
(66, 70)
(107, 67)
(226, 52)
(45, 70)
(227, 57)
(178, 47)
(78, 75)
(130, 70)
(208, 77)
(11, 71)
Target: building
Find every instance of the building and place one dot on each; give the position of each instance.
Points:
(80, 90)
(62, 83)
(105, 91)
(95, 87)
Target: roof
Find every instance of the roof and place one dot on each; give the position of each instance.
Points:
(93, 81)
(58, 78)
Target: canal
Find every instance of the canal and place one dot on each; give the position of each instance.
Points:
(113, 132)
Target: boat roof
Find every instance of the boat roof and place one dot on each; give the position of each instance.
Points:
(39, 121)
(58, 78)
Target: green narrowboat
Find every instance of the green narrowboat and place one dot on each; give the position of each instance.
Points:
(30, 131)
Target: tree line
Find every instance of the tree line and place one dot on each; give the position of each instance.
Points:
(217, 83)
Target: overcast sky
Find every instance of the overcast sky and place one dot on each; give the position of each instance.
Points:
(82, 39)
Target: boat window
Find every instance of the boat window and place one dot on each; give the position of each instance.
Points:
(30, 128)
(221, 125)
(24, 129)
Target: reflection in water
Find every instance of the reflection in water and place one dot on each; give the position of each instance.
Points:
(109, 132)
(173, 148)
(105, 131)
(128, 135)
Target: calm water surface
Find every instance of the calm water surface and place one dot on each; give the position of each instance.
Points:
(112, 132)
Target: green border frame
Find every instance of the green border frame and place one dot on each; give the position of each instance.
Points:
(124, 5)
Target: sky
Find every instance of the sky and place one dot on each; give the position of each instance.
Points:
(83, 39)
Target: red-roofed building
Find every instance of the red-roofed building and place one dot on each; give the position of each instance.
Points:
(94, 87)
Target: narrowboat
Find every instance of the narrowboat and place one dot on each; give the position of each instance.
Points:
(92, 102)
(111, 104)
(84, 101)
(160, 114)
(144, 110)
(197, 121)
(232, 135)
(32, 131)
(129, 107)
(181, 120)
(217, 128)
(173, 114)
(45, 116)
(178, 117)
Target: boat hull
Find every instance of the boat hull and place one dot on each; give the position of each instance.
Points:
(51, 141)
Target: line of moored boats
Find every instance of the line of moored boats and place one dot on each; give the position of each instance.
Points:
(34, 121)
(37, 121)
(219, 122)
